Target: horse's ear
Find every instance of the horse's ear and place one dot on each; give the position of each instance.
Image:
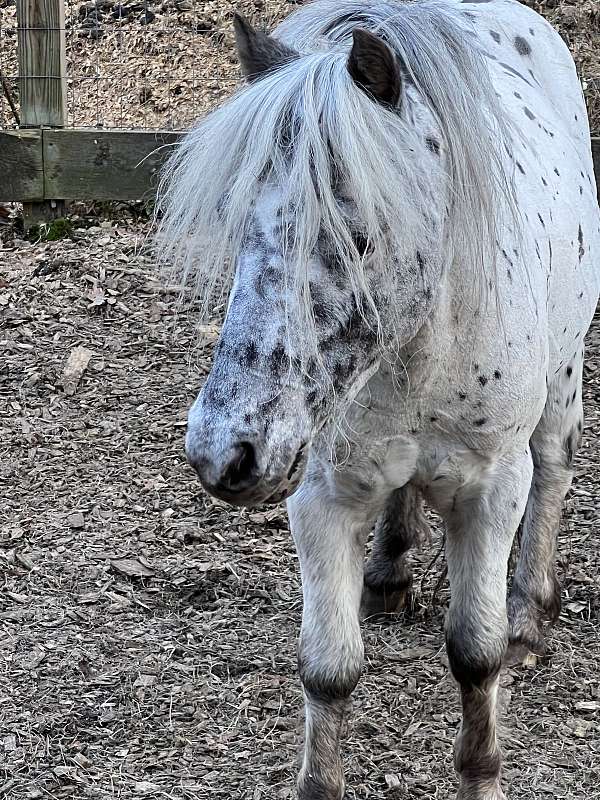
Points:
(258, 52)
(374, 67)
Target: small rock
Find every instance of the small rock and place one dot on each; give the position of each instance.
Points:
(76, 520)
(145, 787)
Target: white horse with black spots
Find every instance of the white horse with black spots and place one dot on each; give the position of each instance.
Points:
(402, 199)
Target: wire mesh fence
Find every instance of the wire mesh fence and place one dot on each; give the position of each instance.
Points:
(137, 64)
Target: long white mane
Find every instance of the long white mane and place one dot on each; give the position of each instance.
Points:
(298, 124)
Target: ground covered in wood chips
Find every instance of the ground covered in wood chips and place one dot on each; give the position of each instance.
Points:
(147, 633)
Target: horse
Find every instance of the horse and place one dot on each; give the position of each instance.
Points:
(399, 202)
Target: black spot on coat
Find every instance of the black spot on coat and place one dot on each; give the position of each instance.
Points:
(522, 46)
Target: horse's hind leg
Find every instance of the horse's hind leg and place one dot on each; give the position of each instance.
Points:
(535, 593)
(388, 577)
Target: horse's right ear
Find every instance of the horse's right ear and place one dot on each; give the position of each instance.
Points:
(258, 53)
(375, 67)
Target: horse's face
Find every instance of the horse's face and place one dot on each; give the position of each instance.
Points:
(251, 426)
(250, 429)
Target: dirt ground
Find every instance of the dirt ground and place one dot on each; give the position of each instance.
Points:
(148, 633)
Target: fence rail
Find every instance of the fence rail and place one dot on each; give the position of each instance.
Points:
(38, 165)
(44, 164)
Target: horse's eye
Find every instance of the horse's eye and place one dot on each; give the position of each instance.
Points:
(362, 244)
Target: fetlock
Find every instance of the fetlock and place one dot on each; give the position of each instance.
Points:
(385, 591)
(526, 614)
(479, 773)
(525, 633)
(318, 787)
(480, 791)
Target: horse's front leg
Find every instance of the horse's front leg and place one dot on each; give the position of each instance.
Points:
(330, 538)
(482, 513)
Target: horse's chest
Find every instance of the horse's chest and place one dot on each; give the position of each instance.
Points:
(477, 401)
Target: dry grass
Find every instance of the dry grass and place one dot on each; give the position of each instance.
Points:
(143, 63)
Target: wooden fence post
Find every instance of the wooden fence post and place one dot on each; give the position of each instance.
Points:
(43, 81)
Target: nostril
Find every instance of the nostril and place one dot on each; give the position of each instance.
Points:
(241, 468)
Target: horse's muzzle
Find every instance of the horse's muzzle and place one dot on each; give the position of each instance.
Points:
(238, 475)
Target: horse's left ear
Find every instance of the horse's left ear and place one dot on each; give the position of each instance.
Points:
(258, 52)
(375, 68)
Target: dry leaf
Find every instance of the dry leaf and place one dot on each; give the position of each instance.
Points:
(145, 787)
(76, 365)
(18, 598)
(97, 297)
(146, 680)
(24, 561)
(392, 781)
(132, 568)
(82, 761)
(530, 660)
(37, 658)
(410, 654)
(580, 727)
(588, 705)
(412, 728)
(209, 333)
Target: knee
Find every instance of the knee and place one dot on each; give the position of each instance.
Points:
(475, 657)
(329, 681)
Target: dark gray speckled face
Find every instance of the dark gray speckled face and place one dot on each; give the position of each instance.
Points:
(250, 429)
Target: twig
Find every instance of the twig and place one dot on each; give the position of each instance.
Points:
(9, 98)
(438, 585)
(432, 562)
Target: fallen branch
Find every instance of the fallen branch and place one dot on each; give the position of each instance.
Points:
(8, 94)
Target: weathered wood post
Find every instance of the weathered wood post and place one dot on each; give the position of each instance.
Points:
(43, 81)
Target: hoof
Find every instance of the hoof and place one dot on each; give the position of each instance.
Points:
(384, 600)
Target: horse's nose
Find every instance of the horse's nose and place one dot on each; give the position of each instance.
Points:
(234, 473)
(241, 472)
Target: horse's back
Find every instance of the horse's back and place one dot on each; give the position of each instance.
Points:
(551, 162)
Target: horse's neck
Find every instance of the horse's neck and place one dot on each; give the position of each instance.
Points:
(455, 317)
